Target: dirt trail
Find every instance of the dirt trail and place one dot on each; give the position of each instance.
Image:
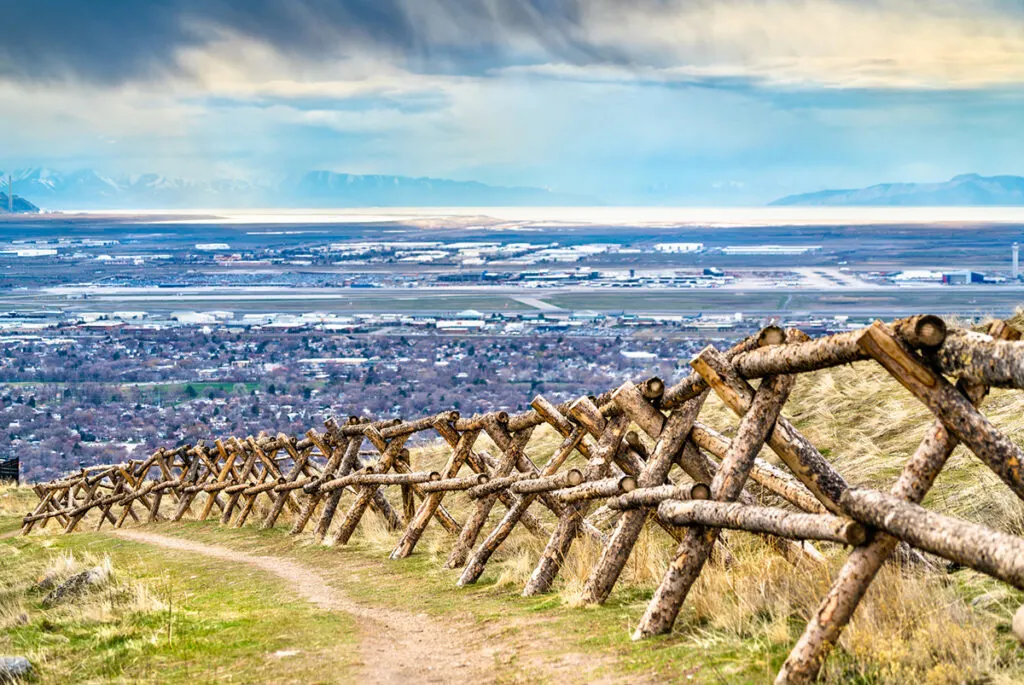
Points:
(396, 647)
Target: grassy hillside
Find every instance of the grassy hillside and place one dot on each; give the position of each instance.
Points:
(737, 626)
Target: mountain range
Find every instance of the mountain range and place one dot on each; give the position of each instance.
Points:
(19, 206)
(965, 190)
(88, 189)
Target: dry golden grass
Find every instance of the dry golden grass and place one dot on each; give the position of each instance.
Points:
(911, 627)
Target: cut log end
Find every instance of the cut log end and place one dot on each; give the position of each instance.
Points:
(653, 388)
(700, 491)
(627, 484)
(771, 335)
(574, 477)
(1018, 624)
(930, 330)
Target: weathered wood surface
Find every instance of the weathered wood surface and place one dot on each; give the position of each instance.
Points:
(999, 555)
(671, 438)
(652, 497)
(763, 520)
(694, 550)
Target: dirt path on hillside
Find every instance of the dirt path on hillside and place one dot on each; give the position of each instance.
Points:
(397, 648)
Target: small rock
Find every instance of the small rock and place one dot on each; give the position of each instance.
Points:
(76, 585)
(14, 668)
(984, 600)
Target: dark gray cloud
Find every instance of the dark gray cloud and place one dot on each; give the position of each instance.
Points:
(113, 41)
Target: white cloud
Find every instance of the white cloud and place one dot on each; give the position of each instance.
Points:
(834, 43)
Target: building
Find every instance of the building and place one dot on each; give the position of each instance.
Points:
(962, 277)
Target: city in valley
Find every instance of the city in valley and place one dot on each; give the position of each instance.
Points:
(123, 332)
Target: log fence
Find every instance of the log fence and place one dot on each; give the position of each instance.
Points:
(693, 483)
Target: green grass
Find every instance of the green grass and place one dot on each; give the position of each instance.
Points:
(228, 623)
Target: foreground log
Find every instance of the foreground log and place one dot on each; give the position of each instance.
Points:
(838, 606)
(452, 484)
(513, 452)
(802, 458)
(616, 553)
(494, 485)
(569, 525)
(694, 550)
(960, 417)
(997, 554)
(1018, 624)
(607, 487)
(478, 561)
(566, 479)
(652, 497)
(755, 519)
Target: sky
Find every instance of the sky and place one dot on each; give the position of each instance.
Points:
(691, 102)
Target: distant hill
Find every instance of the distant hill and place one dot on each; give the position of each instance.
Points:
(966, 190)
(88, 189)
(21, 205)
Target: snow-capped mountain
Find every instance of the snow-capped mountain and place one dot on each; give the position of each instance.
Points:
(965, 190)
(87, 189)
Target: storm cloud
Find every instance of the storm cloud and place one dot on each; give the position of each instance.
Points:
(113, 41)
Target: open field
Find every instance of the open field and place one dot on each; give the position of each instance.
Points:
(928, 627)
(975, 301)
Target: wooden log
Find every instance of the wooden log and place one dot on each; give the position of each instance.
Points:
(799, 455)
(513, 448)
(980, 358)
(969, 544)
(830, 351)
(639, 410)
(771, 335)
(269, 472)
(637, 445)
(727, 485)
(653, 389)
(615, 553)
(332, 498)
(570, 523)
(606, 487)
(385, 479)
(235, 491)
(851, 583)
(566, 479)
(442, 515)
(923, 330)
(291, 480)
(390, 454)
(453, 484)
(478, 561)
(960, 417)
(334, 457)
(494, 485)
(653, 496)
(769, 477)
(770, 520)
(413, 533)
(694, 384)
